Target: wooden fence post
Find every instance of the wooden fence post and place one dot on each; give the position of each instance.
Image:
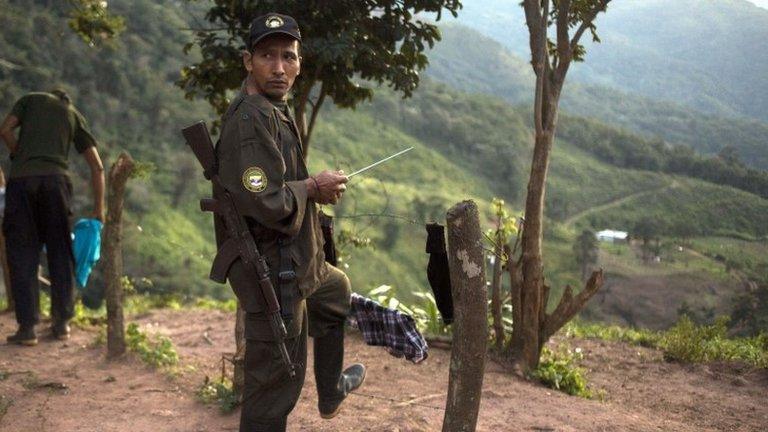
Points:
(470, 327)
(119, 173)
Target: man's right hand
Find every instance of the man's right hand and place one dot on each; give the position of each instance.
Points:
(328, 186)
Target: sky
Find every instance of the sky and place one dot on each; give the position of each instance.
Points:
(761, 3)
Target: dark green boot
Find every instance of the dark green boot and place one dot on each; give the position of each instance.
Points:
(351, 379)
(24, 336)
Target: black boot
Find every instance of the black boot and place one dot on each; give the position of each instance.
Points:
(60, 330)
(24, 336)
(351, 379)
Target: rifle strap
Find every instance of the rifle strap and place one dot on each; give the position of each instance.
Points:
(286, 278)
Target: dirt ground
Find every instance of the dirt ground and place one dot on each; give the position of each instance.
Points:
(65, 387)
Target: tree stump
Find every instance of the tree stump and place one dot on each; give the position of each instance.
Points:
(119, 174)
(470, 326)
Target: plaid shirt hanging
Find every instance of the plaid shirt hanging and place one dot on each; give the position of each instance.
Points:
(388, 328)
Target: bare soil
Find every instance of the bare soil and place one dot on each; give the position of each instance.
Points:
(64, 387)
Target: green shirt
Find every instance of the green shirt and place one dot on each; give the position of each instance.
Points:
(49, 126)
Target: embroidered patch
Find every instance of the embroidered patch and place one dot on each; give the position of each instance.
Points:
(254, 179)
(274, 22)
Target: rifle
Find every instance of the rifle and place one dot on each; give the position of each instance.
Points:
(240, 242)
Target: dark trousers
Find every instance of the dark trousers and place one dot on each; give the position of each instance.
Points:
(269, 394)
(37, 214)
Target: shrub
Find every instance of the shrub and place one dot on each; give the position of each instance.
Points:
(559, 370)
(160, 353)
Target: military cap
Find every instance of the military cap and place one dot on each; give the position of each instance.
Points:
(272, 23)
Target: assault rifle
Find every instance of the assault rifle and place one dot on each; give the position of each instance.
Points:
(240, 242)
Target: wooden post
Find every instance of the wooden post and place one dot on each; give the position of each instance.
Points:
(4, 261)
(238, 360)
(496, 302)
(119, 173)
(470, 337)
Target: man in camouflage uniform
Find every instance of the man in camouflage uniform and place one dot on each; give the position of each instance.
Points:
(262, 165)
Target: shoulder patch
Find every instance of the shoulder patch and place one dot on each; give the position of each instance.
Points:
(254, 179)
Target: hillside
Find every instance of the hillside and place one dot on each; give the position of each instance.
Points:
(466, 146)
(705, 57)
(641, 391)
(510, 77)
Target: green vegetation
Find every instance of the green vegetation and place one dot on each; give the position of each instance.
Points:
(158, 354)
(684, 342)
(559, 370)
(220, 393)
(466, 146)
(704, 60)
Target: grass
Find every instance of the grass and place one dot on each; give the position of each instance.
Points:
(685, 342)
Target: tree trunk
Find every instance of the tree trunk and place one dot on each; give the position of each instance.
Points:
(498, 325)
(470, 338)
(238, 360)
(113, 264)
(532, 266)
(10, 306)
(534, 325)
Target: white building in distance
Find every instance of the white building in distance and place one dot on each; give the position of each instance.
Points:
(611, 236)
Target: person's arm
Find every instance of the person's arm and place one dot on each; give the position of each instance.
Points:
(91, 156)
(10, 123)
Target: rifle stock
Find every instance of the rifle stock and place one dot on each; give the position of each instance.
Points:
(241, 243)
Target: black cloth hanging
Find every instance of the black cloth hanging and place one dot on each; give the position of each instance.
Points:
(326, 225)
(437, 271)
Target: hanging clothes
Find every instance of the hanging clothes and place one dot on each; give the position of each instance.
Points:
(389, 328)
(329, 247)
(438, 274)
(86, 248)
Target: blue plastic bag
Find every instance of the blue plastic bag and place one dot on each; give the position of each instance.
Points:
(86, 248)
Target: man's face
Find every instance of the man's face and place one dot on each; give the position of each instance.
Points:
(274, 65)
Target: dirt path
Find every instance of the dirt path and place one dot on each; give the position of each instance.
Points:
(643, 392)
(618, 201)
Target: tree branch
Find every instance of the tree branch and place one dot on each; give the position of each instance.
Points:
(587, 23)
(569, 305)
(315, 110)
(564, 50)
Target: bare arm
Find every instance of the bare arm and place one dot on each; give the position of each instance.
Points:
(10, 123)
(91, 156)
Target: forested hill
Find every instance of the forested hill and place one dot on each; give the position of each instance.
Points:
(708, 55)
(492, 68)
(466, 146)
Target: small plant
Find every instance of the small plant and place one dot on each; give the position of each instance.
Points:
(158, 354)
(559, 370)
(426, 316)
(212, 304)
(220, 392)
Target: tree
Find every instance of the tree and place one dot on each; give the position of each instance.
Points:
(551, 61)
(585, 250)
(647, 229)
(92, 21)
(348, 47)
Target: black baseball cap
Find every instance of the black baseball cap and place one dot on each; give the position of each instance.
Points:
(272, 23)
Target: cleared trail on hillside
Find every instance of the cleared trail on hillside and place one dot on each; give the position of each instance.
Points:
(619, 201)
